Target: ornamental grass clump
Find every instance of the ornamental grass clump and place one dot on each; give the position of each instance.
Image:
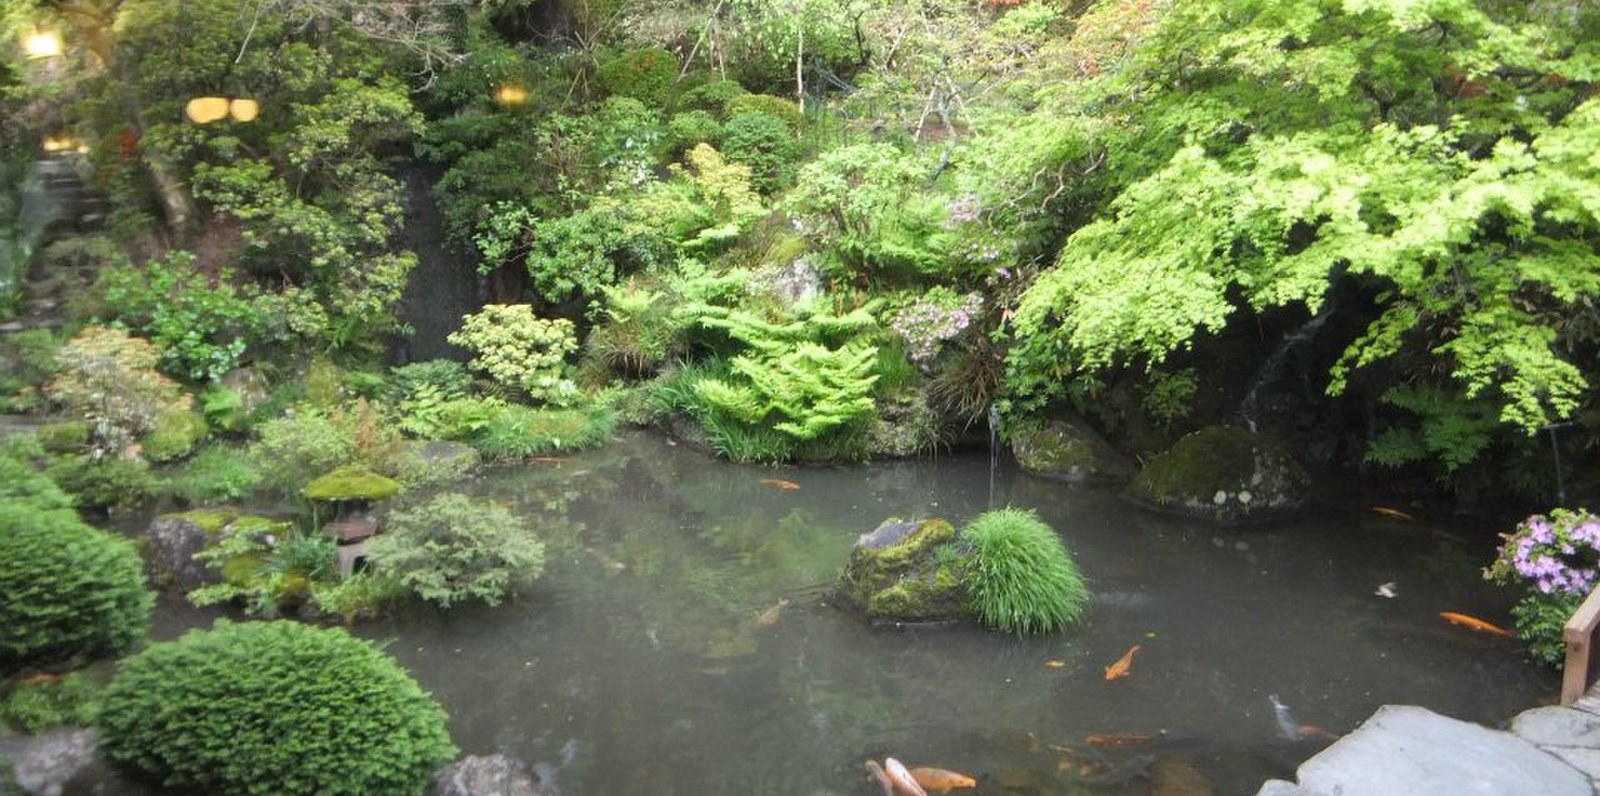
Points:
(69, 590)
(1555, 561)
(273, 708)
(1022, 579)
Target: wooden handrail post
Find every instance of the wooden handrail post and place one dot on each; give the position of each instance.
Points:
(1579, 631)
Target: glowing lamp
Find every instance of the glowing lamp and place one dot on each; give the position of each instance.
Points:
(42, 44)
(510, 94)
(64, 143)
(205, 110)
(244, 110)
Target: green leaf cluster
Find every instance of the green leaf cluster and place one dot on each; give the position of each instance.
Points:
(456, 548)
(521, 351)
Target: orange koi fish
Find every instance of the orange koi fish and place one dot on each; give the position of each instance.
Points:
(1310, 731)
(1054, 663)
(1120, 668)
(1117, 740)
(1395, 513)
(1474, 623)
(904, 783)
(941, 781)
(770, 617)
(42, 679)
(786, 486)
(545, 460)
(875, 771)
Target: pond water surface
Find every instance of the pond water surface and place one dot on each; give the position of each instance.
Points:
(639, 664)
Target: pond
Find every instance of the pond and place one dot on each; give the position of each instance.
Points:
(650, 658)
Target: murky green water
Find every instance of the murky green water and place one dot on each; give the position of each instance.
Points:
(639, 665)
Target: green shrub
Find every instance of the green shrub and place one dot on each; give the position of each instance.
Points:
(444, 379)
(693, 127)
(68, 436)
(456, 548)
(766, 144)
(174, 436)
(70, 590)
(713, 96)
(1022, 579)
(521, 351)
(217, 474)
(20, 482)
(647, 75)
(265, 565)
(273, 708)
(777, 107)
(72, 700)
(109, 482)
(510, 431)
(27, 360)
(294, 448)
(201, 324)
(360, 596)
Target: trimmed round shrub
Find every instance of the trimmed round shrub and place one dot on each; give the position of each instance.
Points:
(694, 127)
(713, 96)
(273, 708)
(1022, 579)
(765, 144)
(69, 589)
(776, 107)
(646, 75)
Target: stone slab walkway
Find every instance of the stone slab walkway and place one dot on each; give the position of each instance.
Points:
(1412, 751)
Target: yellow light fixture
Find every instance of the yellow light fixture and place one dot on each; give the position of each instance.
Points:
(244, 110)
(205, 110)
(510, 94)
(41, 44)
(64, 143)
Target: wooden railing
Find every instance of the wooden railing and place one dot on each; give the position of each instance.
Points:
(1579, 633)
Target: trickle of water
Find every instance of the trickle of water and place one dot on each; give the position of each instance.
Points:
(994, 448)
(1272, 369)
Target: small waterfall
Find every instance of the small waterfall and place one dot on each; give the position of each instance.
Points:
(1272, 370)
(994, 448)
(443, 287)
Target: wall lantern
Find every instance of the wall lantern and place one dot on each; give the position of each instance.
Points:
(205, 110)
(64, 143)
(510, 94)
(41, 44)
(244, 110)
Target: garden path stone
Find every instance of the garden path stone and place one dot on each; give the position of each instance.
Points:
(1411, 750)
(1555, 726)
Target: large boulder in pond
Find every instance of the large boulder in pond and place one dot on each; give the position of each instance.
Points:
(1224, 474)
(173, 539)
(1069, 451)
(487, 775)
(906, 572)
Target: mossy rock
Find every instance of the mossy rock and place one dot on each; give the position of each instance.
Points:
(175, 436)
(897, 573)
(172, 540)
(70, 436)
(1069, 451)
(1224, 474)
(351, 482)
(905, 426)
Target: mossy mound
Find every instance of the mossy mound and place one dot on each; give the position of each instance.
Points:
(1069, 451)
(906, 572)
(1227, 475)
(173, 540)
(351, 482)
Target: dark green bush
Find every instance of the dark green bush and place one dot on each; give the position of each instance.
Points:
(107, 482)
(456, 548)
(776, 107)
(647, 75)
(1022, 579)
(763, 142)
(69, 590)
(20, 482)
(273, 708)
(218, 473)
(72, 700)
(713, 96)
(693, 127)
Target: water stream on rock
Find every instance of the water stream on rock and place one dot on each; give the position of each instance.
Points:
(637, 665)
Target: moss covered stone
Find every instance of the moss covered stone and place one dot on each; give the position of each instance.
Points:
(173, 540)
(1223, 474)
(906, 572)
(352, 482)
(1069, 451)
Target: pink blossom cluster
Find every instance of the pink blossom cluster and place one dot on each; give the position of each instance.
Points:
(933, 319)
(1555, 554)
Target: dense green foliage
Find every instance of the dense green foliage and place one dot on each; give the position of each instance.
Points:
(521, 351)
(273, 707)
(71, 591)
(72, 700)
(1022, 579)
(456, 548)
